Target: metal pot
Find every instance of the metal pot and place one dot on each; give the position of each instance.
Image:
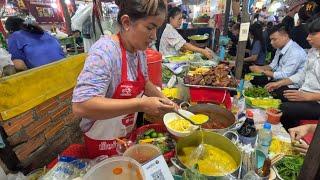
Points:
(217, 115)
(213, 139)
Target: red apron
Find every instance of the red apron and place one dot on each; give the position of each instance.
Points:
(100, 139)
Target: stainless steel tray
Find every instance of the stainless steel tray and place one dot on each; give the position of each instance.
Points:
(211, 87)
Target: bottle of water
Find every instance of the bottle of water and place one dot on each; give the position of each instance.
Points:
(265, 138)
(222, 52)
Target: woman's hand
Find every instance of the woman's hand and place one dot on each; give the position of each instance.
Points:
(301, 147)
(299, 132)
(156, 106)
(295, 95)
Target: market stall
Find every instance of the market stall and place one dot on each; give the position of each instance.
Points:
(223, 127)
(230, 144)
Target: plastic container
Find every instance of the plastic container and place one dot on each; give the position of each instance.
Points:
(252, 175)
(142, 152)
(264, 139)
(209, 95)
(154, 60)
(273, 115)
(158, 128)
(116, 168)
(222, 52)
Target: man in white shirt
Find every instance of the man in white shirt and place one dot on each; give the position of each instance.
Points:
(305, 102)
(288, 60)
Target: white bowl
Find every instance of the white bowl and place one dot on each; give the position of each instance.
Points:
(104, 169)
(172, 116)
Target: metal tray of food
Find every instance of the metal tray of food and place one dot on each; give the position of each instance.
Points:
(211, 87)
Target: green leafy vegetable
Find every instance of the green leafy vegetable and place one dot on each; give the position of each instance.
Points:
(289, 167)
(148, 132)
(256, 92)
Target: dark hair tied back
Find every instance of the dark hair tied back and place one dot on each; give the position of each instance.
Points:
(138, 9)
(173, 12)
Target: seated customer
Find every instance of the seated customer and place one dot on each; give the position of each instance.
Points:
(299, 33)
(172, 42)
(305, 102)
(297, 133)
(257, 51)
(289, 58)
(258, 46)
(30, 46)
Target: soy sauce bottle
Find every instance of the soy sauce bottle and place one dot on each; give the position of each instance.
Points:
(248, 129)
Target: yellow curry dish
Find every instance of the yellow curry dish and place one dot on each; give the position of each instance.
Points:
(180, 125)
(214, 161)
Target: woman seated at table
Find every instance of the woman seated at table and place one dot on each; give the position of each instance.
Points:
(172, 42)
(258, 47)
(30, 46)
(298, 133)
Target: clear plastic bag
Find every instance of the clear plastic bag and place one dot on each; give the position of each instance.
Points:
(67, 168)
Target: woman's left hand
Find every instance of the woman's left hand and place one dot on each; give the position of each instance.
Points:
(295, 95)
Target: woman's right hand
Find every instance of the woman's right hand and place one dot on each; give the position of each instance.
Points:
(301, 147)
(156, 105)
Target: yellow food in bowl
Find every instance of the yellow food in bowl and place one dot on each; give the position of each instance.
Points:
(199, 118)
(179, 125)
(214, 161)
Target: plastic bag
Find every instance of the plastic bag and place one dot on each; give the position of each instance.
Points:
(177, 68)
(5, 59)
(18, 176)
(80, 17)
(3, 175)
(67, 168)
(61, 34)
